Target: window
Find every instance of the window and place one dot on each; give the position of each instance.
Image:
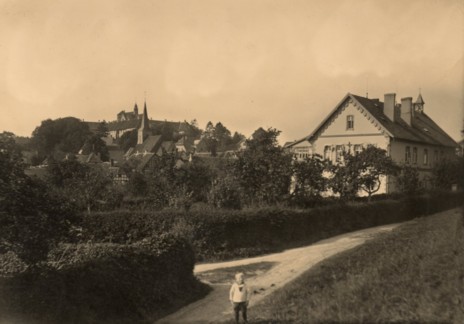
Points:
(350, 122)
(339, 152)
(435, 157)
(414, 155)
(426, 157)
(407, 154)
(358, 148)
(327, 151)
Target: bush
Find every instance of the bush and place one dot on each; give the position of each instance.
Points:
(105, 283)
(222, 234)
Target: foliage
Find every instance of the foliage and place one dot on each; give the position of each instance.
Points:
(210, 139)
(165, 129)
(344, 178)
(408, 180)
(94, 144)
(138, 185)
(448, 172)
(127, 140)
(106, 283)
(361, 171)
(217, 234)
(225, 193)
(309, 180)
(32, 218)
(61, 135)
(102, 129)
(372, 164)
(85, 185)
(264, 168)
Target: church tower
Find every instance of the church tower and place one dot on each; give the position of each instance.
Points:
(144, 128)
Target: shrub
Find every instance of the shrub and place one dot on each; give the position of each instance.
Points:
(221, 234)
(105, 283)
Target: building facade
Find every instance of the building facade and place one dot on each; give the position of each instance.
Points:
(402, 129)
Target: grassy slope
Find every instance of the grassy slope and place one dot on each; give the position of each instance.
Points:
(415, 274)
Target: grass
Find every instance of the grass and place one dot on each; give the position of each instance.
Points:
(413, 275)
(226, 275)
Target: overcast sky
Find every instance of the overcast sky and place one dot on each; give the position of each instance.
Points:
(249, 63)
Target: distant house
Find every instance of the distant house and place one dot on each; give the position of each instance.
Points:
(404, 130)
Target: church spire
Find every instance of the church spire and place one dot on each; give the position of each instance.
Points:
(144, 128)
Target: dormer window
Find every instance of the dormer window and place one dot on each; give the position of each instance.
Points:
(349, 122)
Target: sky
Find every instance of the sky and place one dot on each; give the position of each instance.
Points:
(246, 63)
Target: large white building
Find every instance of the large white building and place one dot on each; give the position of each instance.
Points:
(404, 130)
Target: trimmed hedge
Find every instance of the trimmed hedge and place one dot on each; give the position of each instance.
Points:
(223, 234)
(105, 283)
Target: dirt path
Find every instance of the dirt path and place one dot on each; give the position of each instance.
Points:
(290, 264)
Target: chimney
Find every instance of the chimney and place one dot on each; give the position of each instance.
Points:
(406, 110)
(389, 106)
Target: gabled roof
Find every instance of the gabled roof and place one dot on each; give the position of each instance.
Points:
(150, 145)
(423, 128)
(88, 158)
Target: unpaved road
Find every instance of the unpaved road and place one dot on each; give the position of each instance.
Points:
(215, 306)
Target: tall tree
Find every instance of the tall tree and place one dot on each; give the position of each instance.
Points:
(64, 134)
(210, 138)
(94, 144)
(309, 180)
(128, 140)
(373, 165)
(32, 218)
(264, 168)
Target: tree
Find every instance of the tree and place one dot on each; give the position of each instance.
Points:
(64, 134)
(408, 181)
(361, 171)
(86, 186)
(128, 140)
(195, 131)
(223, 136)
(372, 164)
(448, 172)
(94, 144)
(264, 168)
(309, 180)
(344, 178)
(210, 139)
(102, 129)
(32, 218)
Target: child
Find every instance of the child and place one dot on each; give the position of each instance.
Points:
(239, 297)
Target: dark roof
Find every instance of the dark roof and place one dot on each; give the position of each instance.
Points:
(150, 145)
(423, 129)
(88, 158)
(116, 154)
(122, 125)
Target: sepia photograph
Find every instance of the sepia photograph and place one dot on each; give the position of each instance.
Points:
(231, 161)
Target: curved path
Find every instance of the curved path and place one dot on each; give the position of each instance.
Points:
(215, 306)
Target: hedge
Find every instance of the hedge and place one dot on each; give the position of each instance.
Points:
(104, 283)
(222, 234)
